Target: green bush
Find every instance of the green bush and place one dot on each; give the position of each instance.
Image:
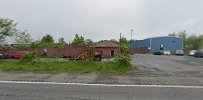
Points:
(124, 49)
(30, 57)
(122, 60)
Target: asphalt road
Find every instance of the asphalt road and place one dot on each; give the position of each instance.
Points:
(168, 65)
(13, 91)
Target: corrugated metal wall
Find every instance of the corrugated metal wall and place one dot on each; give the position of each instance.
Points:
(170, 43)
(141, 43)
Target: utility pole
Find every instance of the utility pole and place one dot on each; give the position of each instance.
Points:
(120, 43)
(131, 34)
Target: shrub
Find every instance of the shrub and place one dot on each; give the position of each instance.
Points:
(122, 60)
(124, 48)
(31, 57)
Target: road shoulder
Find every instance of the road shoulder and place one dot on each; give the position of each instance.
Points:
(100, 78)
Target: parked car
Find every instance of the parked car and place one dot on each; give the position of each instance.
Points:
(179, 52)
(192, 52)
(199, 53)
(16, 56)
(1, 56)
(165, 52)
(157, 53)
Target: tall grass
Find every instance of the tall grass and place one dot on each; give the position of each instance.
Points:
(65, 66)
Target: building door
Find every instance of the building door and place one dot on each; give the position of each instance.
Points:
(162, 46)
(112, 53)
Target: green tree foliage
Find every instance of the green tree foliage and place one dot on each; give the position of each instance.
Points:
(23, 40)
(102, 41)
(7, 28)
(124, 49)
(201, 41)
(126, 42)
(173, 34)
(122, 60)
(47, 45)
(89, 42)
(47, 39)
(184, 37)
(190, 42)
(61, 42)
(31, 57)
(195, 42)
(35, 44)
(114, 41)
(131, 41)
(123, 40)
(46, 42)
(78, 40)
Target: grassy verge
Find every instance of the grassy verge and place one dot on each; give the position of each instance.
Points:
(66, 66)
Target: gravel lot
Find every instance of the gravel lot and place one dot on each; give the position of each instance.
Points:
(162, 65)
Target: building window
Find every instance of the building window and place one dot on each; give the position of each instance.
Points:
(112, 53)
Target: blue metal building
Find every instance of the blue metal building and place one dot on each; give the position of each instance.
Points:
(155, 44)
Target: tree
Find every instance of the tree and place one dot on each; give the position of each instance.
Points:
(102, 41)
(192, 42)
(173, 34)
(61, 42)
(47, 45)
(23, 40)
(114, 41)
(7, 28)
(201, 36)
(184, 37)
(47, 39)
(35, 44)
(123, 40)
(131, 41)
(46, 42)
(78, 40)
(124, 48)
(200, 39)
(89, 42)
(195, 42)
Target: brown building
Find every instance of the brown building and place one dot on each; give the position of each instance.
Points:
(108, 49)
(70, 51)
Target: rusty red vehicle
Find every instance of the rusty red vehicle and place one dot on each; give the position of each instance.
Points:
(16, 56)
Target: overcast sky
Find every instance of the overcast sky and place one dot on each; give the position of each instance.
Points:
(104, 19)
